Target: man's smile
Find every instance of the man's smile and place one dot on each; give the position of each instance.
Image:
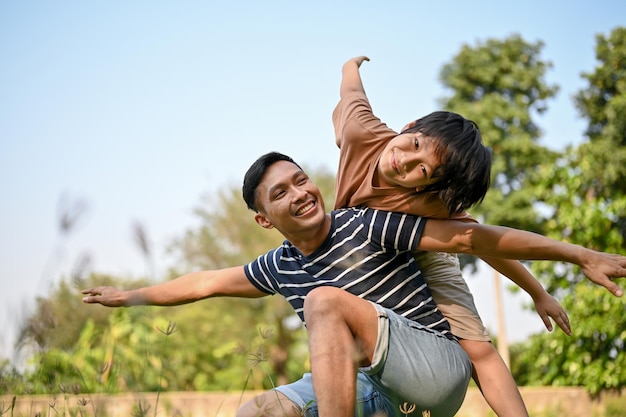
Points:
(304, 209)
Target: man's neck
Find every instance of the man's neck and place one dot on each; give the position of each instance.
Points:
(308, 241)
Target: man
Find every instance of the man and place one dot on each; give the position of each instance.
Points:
(351, 277)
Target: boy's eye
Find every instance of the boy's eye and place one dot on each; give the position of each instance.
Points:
(417, 143)
(424, 171)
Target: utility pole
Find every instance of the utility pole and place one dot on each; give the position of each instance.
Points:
(503, 343)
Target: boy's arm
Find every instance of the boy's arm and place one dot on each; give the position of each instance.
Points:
(351, 77)
(182, 290)
(546, 305)
(504, 242)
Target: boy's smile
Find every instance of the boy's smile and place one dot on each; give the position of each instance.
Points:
(408, 161)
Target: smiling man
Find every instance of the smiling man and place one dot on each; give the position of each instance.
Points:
(376, 339)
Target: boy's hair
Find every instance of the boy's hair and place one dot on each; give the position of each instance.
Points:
(464, 176)
(255, 174)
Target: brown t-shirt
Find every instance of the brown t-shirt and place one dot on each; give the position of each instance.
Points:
(361, 137)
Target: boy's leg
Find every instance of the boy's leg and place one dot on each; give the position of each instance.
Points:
(494, 379)
(343, 331)
(454, 299)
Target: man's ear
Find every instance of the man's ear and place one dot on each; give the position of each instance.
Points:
(409, 125)
(263, 221)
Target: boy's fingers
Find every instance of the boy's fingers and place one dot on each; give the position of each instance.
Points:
(546, 322)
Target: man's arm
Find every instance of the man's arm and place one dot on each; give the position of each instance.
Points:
(185, 289)
(504, 242)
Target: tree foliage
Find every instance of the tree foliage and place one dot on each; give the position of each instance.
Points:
(62, 309)
(584, 202)
(225, 344)
(593, 357)
(577, 195)
(500, 84)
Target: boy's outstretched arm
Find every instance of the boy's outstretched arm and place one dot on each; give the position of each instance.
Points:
(504, 242)
(547, 306)
(182, 290)
(351, 77)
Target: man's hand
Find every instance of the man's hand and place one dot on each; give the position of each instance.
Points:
(600, 267)
(107, 296)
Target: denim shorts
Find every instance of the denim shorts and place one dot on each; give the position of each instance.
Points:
(414, 370)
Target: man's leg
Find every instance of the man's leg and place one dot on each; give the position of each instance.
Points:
(342, 330)
(269, 404)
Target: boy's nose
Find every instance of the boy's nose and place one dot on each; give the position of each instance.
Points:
(410, 159)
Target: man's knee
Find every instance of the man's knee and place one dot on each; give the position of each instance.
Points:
(269, 404)
(321, 302)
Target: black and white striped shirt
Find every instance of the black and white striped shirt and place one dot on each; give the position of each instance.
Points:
(367, 253)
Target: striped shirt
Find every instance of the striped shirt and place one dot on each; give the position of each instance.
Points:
(367, 253)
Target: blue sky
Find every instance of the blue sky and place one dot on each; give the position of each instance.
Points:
(138, 108)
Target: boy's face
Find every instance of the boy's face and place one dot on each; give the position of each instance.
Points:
(408, 161)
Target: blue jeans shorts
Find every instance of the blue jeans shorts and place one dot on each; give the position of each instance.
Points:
(414, 369)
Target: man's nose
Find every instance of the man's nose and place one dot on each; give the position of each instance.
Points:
(299, 194)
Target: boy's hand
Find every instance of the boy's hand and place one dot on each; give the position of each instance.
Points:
(548, 307)
(359, 60)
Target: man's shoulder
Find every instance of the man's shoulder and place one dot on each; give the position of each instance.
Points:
(274, 253)
(344, 214)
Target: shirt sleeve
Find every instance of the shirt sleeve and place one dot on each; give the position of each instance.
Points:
(262, 272)
(396, 231)
(354, 120)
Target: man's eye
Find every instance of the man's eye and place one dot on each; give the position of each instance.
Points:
(279, 194)
(302, 180)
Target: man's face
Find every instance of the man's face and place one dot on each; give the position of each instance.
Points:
(288, 200)
(408, 161)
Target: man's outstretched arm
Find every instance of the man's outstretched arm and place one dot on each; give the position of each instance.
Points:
(504, 242)
(229, 282)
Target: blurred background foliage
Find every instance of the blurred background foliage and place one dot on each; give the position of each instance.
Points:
(576, 195)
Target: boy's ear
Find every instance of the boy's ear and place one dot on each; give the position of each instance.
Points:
(263, 221)
(409, 125)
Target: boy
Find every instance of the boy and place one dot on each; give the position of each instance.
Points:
(437, 168)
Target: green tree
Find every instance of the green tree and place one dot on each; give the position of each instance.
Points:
(218, 344)
(58, 319)
(500, 84)
(584, 197)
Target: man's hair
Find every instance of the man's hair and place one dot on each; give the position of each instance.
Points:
(255, 174)
(464, 176)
